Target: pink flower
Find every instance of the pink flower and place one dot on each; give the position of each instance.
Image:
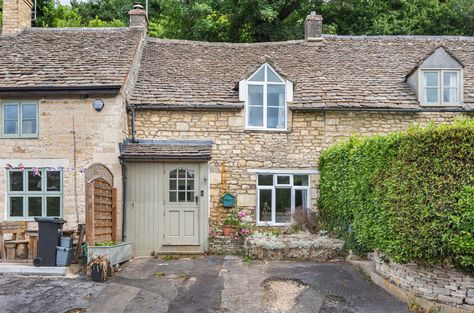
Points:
(21, 167)
(36, 171)
(241, 214)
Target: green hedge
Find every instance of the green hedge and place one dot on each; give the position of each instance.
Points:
(409, 194)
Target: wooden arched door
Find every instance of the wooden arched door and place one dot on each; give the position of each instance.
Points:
(101, 216)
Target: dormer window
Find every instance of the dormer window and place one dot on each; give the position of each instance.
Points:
(440, 87)
(265, 94)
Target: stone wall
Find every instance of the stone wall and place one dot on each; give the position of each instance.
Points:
(236, 150)
(438, 284)
(71, 133)
(226, 245)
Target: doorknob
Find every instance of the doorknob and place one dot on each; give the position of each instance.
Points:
(197, 199)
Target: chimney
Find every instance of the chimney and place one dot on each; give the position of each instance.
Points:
(16, 16)
(313, 27)
(138, 16)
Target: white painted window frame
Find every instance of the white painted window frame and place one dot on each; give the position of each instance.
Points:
(19, 133)
(273, 189)
(244, 96)
(440, 72)
(25, 194)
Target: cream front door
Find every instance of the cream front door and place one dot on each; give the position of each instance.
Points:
(181, 204)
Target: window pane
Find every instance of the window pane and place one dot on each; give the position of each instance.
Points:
(450, 79)
(190, 185)
(10, 112)
(255, 116)
(190, 174)
(255, 95)
(182, 196)
(53, 206)
(265, 205)
(53, 180)
(34, 206)
(283, 205)
(10, 127)
(272, 77)
(16, 181)
(431, 79)
(172, 196)
(301, 199)
(265, 180)
(450, 95)
(28, 111)
(181, 184)
(34, 182)
(259, 76)
(173, 174)
(300, 180)
(431, 95)
(172, 184)
(16, 206)
(276, 106)
(283, 180)
(276, 95)
(181, 173)
(190, 196)
(28, 127)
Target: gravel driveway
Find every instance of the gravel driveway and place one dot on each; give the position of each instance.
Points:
(207, 284)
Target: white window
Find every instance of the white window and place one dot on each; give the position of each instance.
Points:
(34, 193)
(441, 87)
(266, 97)
(278, 195)
(20, 119)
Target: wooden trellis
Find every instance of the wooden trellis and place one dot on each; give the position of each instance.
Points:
(101, 219)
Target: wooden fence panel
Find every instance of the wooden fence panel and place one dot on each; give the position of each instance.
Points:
(101, 220)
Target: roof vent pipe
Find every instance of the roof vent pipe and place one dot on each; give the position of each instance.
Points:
(313, 27)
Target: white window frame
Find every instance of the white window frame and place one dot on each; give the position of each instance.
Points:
(288, 94)
(19, 133)
(25, 194)
(440, 72)
(273, 188)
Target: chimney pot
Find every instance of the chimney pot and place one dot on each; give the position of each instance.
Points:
(313, 27)
(16, 16)
(138, 16)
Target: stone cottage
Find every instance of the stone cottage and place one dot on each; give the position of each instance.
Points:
(188, 122)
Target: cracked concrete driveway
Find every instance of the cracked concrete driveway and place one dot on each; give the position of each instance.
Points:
(208, 284)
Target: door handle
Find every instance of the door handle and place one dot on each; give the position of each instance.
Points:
(197, 199)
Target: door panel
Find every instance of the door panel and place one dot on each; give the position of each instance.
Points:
(181, 204)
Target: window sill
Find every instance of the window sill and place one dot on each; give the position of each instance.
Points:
(19, 137)
(266, 224)
(442, 105)
(265, 130)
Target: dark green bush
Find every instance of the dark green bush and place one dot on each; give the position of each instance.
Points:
(409, 195)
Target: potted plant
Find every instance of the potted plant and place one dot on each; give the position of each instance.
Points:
(99, 268)
(231, 224)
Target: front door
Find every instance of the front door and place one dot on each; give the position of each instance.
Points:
(181, 205)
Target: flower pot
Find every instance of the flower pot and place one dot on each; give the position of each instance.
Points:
(229, 230)
(97, 273)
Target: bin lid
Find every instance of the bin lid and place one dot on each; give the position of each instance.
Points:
(55, 220)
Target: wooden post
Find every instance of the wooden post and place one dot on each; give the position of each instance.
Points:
(114, 214)
(90, 236)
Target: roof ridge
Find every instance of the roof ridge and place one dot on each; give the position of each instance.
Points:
(229, 44)
(59, 29)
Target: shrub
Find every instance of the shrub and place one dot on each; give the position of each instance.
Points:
(409, 194)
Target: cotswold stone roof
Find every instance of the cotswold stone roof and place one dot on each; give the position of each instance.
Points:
(168, 149)
(68, 57)
(338, 72)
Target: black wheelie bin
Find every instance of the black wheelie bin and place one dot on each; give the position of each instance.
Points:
(49, 232)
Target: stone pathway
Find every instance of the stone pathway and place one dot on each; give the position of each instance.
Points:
(209, 284)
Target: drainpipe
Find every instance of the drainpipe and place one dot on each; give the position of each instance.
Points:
(133, 126)
(124, 197)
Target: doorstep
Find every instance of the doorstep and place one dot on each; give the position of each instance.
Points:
(31, 270)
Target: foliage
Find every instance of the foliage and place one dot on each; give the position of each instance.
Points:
(304, 220)
(105, 244)
(409, 195)
(267, 20)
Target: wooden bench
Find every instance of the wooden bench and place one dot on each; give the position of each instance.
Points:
(17, 229)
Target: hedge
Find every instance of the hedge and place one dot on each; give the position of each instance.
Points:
(409, 195)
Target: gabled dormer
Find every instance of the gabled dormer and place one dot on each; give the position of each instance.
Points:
(266, 94)
(438, 80)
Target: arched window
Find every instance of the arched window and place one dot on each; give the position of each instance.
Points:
(265, 100)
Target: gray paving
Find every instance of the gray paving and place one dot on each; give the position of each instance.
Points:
(209, 284)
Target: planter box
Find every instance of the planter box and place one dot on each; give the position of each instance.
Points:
(118, 253)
